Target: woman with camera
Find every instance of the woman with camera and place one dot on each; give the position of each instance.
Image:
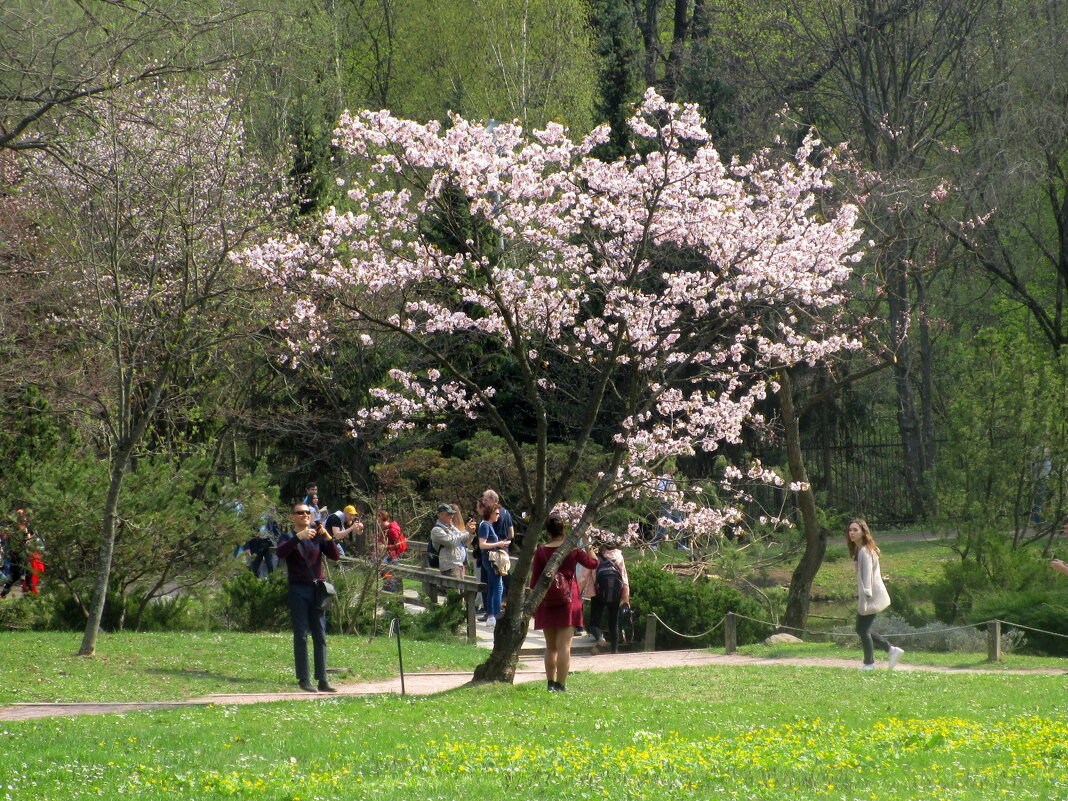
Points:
(560, 610)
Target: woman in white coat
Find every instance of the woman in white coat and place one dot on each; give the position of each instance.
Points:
(872, 597)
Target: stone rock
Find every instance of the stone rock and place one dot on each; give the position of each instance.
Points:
(782, 639)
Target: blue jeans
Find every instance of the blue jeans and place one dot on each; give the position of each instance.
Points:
(306, 619)
(494, 590)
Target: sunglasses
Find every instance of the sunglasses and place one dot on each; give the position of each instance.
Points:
(302, 512)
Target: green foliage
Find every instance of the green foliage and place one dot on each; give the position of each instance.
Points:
(174, 613)
(691, 607)
(439, 621)
(835, 554)
(1039, 608)
(29, 432)
(528, 60)
(618, 47)
(482, 461)
(248, 603)
(908, 601)
(27, 612)
(178, 524)
(359, 600)
(987, 565)
(929, 638)
(1006, 434)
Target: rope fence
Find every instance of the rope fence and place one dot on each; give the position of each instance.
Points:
(729, 623)
(687, 636)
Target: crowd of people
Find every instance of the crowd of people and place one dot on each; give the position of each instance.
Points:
(593, 574)
(316, 534)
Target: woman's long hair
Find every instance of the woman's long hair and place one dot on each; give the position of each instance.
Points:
(555, 527)
(866, 539)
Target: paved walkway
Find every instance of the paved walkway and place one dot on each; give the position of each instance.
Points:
(430, 683)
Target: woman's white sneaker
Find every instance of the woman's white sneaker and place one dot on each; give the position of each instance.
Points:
(867, 667)
(895, 656)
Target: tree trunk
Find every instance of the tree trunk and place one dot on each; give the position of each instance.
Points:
(926, 355)
(135, 427)
(797, 599)
(511, 627)
(677, 54)
(649, 27)
(907, 419)
(107, 549)
(508, 637)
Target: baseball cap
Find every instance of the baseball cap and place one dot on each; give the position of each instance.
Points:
(444, 507)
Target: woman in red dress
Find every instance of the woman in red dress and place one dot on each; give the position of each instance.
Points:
(560, 611)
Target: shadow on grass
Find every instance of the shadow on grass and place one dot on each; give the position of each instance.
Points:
(192, 673)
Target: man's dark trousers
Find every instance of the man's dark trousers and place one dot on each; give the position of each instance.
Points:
(307, 620)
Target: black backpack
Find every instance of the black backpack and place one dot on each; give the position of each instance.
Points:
(609, 581)
(432, 553)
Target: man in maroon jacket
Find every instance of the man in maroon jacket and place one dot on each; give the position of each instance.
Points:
(302, 549)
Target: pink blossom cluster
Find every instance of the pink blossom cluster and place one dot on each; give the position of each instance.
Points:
(416, 397)
(699, 276)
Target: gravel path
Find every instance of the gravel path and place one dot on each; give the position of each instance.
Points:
(430, 683)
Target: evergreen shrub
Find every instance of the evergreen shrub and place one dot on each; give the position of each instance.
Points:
(249, 603)
(692, 607)
(27, 612)
(174, 613)
(1045, 609)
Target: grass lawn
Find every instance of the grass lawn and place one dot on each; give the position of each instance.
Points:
(910, 562)
(777, 732)
(169, 667)
(816, 650)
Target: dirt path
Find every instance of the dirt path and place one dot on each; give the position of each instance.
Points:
(430, 683)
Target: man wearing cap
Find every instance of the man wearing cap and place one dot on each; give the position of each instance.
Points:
(341, 524)
(451, 542)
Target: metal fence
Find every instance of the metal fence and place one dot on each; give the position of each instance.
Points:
(863, 476)
(866, 480)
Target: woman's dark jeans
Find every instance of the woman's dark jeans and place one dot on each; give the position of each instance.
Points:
(597, 610)
(869, 640)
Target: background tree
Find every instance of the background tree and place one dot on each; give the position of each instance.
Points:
(558, 261)
(526, 60)
(1005, 197)
(143, 212)
(58, 53)
(176, 518)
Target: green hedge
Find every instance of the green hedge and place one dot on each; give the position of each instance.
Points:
(1045, 609)
(691, 607)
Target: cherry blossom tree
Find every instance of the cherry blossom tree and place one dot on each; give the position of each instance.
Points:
(653, 297)
(142, 211)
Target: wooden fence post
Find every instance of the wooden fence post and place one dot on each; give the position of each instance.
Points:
(650, 633)
(730, 633)
(993, 641)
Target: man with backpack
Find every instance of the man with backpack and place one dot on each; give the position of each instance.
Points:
(612, 592)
